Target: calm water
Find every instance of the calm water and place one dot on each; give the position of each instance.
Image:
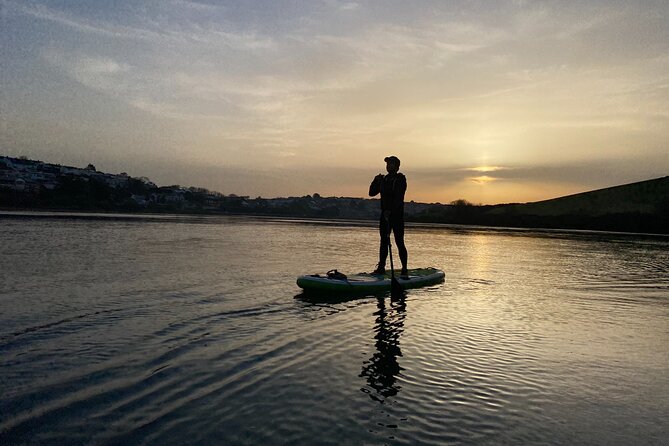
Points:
(188, 331)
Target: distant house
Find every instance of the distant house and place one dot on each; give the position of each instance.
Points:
(24, 164)
(49, 168)
(114, 180)
(41, 177)
(148, 182)
(175, 196)
(168, 195)
(139, 199)
(65, 170)
(19, 184)
(212, 201)
(5, 165)
(278, 202)
(7, 181)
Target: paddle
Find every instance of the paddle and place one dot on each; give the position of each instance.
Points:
(395, 287)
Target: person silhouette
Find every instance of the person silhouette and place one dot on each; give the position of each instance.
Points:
(392, 188)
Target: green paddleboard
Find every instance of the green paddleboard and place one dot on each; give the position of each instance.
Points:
(367, 282)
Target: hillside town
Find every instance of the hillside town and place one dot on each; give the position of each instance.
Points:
(26, 175)
(27, 183)
(37, 184)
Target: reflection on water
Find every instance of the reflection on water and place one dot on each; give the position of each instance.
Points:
(383, 368)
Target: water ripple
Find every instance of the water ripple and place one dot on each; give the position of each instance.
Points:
(531, 340)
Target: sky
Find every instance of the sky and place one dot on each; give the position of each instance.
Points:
(489, 101)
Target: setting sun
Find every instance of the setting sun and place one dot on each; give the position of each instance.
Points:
(485, 168)
(484, 179)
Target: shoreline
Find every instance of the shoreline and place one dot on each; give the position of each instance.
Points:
(64, 214)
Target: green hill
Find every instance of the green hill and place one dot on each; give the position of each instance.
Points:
(635, 207)
(645, 197)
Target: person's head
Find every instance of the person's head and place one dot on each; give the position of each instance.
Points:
(392, 164)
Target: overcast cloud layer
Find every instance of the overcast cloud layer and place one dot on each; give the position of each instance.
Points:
(291, 98)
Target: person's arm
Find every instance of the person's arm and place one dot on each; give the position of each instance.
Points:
(402, 185)
(375, 187)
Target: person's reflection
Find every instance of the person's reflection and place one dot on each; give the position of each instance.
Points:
(382, 369)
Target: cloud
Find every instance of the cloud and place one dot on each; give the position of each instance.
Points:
(342, 5)
(80, 24)
(350, 6)
(198, 6)
(297, 69)
(101, 66)
(157, 30)
(365, 70)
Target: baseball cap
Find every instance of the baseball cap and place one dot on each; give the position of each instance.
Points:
(392, 159)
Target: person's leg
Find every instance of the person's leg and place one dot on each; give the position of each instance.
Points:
(398, 230)
(383, 246)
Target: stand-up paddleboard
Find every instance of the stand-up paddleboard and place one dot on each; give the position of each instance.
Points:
(367, 282)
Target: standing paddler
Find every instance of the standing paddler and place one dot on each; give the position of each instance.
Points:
(392, 188)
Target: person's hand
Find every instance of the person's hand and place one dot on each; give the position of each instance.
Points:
(379, 177)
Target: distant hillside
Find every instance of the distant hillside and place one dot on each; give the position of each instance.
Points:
(645, 197)
(636, 207)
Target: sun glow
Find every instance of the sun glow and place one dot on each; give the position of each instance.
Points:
(483, 169)
(483, 179)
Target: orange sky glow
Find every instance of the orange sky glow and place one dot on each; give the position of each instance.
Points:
(511, 102)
